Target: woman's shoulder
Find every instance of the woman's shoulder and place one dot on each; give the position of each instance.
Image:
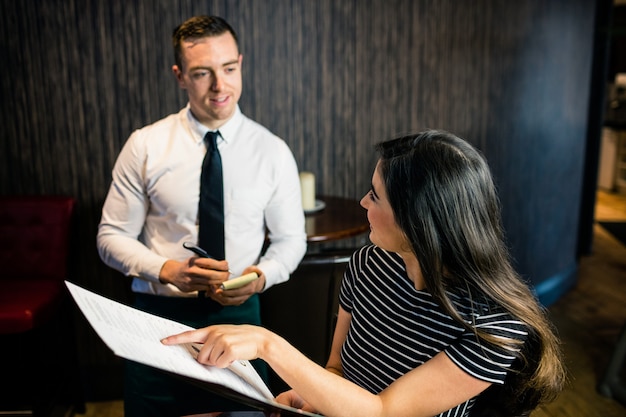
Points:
(373, 261)
(369, 255)
(372, 253)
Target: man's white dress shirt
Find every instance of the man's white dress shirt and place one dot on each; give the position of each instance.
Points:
(152, 205)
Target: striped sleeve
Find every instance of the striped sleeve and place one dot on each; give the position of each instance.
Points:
(346, 296)
(484, 360)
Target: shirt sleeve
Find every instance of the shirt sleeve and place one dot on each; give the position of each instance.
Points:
(346, 291)
(484, 360)
(123, 217)
(284, 218)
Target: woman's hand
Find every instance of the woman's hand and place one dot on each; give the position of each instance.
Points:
(293, 399)
(224, 344)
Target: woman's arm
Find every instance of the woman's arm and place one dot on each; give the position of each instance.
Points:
(430, 389)
(339, 337)
(291, 397)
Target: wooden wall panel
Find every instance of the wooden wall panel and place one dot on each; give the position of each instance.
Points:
(330, 77)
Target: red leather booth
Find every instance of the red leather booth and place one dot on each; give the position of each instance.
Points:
(36, 329)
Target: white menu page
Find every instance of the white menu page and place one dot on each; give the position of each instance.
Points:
(136, 335)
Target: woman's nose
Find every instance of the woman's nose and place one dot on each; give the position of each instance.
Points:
(363, 201)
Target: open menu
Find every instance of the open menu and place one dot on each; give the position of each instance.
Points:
(136, 335)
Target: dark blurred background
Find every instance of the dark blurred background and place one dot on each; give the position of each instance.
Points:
(525, 81)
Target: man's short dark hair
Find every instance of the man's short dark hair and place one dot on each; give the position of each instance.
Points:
(199, 27)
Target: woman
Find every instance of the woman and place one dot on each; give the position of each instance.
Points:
(433, 320)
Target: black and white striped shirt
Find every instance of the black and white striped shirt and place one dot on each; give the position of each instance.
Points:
(396, 328)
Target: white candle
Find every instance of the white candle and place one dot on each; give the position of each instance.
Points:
(307, 185)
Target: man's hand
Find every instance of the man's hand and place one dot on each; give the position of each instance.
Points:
(206, 274)
(195, 274)
(238, 296)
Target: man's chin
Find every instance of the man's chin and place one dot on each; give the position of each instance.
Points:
(214, 119)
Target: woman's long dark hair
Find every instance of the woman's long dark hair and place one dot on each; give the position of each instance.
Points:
(452, 220)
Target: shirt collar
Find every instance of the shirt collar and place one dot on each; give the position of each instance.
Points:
(227, 130)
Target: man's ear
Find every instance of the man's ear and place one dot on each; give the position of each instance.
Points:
(178, 74)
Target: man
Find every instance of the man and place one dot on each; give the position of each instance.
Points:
(152, 208)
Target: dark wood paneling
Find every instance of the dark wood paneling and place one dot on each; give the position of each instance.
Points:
(330, 77)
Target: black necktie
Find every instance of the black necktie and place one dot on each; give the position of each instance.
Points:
(211, 207)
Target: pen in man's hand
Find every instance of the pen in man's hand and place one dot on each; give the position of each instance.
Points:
(203, 254)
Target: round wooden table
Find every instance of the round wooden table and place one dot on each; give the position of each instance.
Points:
(340, 219)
